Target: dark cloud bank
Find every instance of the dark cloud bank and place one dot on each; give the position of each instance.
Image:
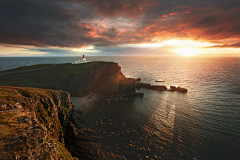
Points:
(74, 24)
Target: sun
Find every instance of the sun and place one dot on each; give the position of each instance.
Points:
(187, 51)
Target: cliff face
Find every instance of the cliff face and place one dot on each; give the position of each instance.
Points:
(104, 77)
(77, 79)
(35, 123)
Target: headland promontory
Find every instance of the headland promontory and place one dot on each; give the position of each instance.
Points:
(37, 117)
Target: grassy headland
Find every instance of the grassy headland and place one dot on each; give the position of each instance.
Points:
(41, 75)
(77, 79)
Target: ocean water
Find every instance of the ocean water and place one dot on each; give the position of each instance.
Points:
(202, 123)
(205, 122)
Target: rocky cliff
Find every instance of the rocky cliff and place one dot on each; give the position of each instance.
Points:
(78, 79)
(104, 77)
(35, 123)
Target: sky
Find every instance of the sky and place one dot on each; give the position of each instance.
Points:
(120, 27)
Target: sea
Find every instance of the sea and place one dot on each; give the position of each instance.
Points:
(203, 123)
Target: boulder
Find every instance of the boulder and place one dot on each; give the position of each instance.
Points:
(157, 87)
(159, 81)
(10, 106)
(17, 105)
(181, 89)
(143, 85)
(148, 86)
(3, 107)
(174, 88)
(24, 119)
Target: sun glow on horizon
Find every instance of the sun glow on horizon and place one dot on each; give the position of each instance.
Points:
(177, 43)
(187, 51)
(180, 47)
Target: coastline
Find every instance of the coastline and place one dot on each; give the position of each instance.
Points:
(100, 94)
(100, 77)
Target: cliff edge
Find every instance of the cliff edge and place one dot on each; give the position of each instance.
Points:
(78, 79)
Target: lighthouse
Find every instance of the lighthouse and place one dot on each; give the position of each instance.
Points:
(80, 60)
(83, 58)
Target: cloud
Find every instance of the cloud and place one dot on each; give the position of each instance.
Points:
(42, 23)
(133, 51)
(214, 22)
(234, 45)
(107, 23)
(110, 8)
(65, 24)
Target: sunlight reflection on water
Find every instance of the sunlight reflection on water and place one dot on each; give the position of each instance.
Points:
(205, 121)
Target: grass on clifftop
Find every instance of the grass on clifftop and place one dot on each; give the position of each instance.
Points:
(5, 127)
(42, 75)
(10, 127)
(5, 79)
(37, 66)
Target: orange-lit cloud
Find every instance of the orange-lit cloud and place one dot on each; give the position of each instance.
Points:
(171, 14)
(107, 23)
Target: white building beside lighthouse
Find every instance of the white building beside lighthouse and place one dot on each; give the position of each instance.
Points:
(80, 60)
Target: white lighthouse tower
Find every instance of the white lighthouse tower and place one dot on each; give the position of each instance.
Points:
(84, 59)
(80, 60)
